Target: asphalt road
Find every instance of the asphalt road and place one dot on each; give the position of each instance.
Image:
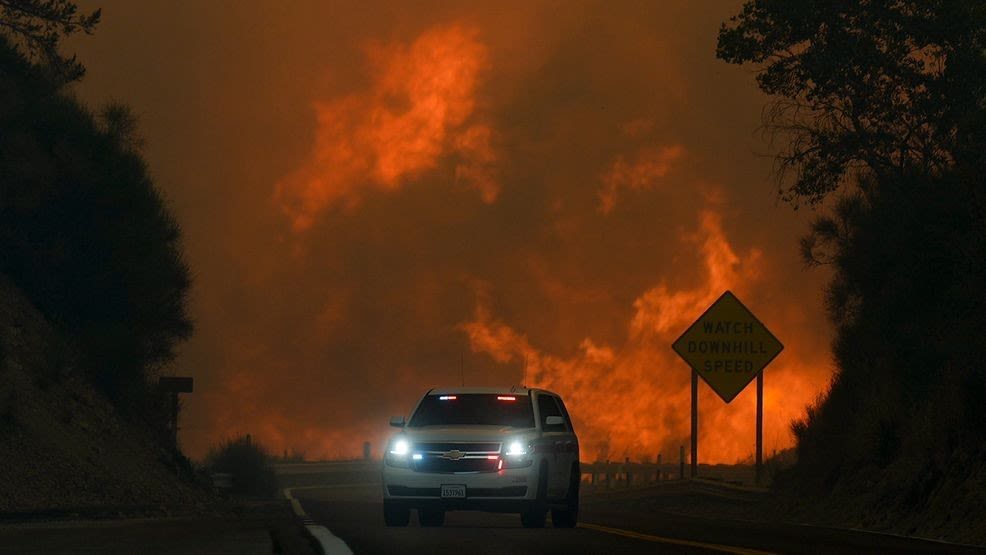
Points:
(348, 502)
(249, 530)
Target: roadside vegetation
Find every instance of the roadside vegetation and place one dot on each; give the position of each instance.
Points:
(879, 114)
(83, 231)
(293, 456)
(247, 462)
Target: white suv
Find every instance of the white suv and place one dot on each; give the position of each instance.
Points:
(508, 450)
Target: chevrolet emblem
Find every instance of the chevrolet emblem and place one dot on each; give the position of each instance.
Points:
(454, 455)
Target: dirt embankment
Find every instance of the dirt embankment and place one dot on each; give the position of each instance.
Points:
(63, 448)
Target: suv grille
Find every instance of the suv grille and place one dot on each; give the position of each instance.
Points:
(446, 466)
(449, 458)
(471, 448)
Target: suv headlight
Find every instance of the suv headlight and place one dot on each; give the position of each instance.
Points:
(401, 447)
(516, 448)
(516, 454)
(398, 452)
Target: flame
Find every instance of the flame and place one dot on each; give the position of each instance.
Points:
(422, 113)
(634, 400)
(420, 109)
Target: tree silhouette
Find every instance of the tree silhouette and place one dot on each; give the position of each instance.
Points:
(889, 99)
(84, 232)
(884, 87)
(37, 26)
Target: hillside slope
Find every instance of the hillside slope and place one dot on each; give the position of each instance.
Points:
(63, 448)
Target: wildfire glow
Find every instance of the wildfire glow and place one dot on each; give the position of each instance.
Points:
(634, 400)
(408, 247)
(419, 110)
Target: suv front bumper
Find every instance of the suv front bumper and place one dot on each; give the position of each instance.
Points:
(507, 490)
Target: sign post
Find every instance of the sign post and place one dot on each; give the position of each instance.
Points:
(727, 346)
(694, 423)
(175, 385)
(759, 424)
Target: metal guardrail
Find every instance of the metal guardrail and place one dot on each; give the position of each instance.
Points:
(610, 474)
(607, 474)
(626, 473)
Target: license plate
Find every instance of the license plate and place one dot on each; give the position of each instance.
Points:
(453, 491)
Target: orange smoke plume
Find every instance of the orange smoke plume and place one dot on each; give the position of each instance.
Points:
(419, 110)
(634, 400)
(640, 174)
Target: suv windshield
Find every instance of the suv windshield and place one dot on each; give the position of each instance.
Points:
(475, 409)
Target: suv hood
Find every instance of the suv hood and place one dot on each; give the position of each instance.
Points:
(464, 433)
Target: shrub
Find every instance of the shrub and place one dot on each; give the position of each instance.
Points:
(248, 463)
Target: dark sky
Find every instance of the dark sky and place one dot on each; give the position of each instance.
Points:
(377, 199)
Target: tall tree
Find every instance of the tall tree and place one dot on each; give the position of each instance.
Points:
(37, 26)
(889, 95)
(889, 87)
(85, 233)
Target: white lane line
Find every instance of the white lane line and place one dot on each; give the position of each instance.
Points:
(331, 544)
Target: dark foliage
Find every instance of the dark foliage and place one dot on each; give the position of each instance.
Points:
(909, 307)
(35, 27)
(84, 233)
(886, 87)
(248, 463)
(887, 98)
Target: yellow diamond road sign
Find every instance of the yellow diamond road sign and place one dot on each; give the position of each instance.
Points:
(727, 346)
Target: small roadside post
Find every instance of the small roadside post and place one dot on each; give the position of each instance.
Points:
(175, 385)
(728, 347)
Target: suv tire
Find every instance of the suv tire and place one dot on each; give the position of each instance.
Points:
(569, 516)
(395, 514)
(536, 513)
(431, 517)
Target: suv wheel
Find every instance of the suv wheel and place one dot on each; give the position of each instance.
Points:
(534, 515)
(431, 517)
(395, 515)
(569, 516)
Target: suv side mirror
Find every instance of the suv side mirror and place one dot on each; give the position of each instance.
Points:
(397, 421)
(554, 421)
